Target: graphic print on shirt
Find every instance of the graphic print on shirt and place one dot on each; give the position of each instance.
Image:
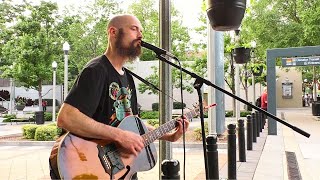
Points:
(122, 103)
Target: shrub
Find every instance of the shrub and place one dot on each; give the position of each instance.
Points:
(47, 116)
(155, 106)
(242, 113)
(46, 133)
(153, 122)
(59, 130)
(29, 130)
(9, 117)
(197, 132)
(245, 113)
(178, 105)
(149, 115)
(229, 113)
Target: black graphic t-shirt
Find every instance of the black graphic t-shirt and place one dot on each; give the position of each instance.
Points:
(101, 93)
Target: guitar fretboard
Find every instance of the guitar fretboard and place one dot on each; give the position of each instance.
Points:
(159, 132)
(151, 136)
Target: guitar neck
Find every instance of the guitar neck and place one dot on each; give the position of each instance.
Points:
(151, 136)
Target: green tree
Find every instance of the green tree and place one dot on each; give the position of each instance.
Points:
(85, 31)
(149, 17)
(30, 48)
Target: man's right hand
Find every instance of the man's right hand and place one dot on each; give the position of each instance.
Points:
(130, 142)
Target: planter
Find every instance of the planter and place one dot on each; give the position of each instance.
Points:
(20, 107)
(241, 55)
(225, 15)
(257, 70)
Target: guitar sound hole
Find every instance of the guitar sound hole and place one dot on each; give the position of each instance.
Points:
(125, 174)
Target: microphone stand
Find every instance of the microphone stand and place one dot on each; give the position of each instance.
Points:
(199, 82)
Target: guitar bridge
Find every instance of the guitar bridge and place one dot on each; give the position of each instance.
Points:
(110, 158)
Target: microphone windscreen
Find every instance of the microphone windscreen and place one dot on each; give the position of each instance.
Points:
(225, 15)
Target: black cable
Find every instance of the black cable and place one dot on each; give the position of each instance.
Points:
(183, 127)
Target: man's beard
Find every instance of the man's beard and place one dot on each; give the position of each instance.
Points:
(131, 52)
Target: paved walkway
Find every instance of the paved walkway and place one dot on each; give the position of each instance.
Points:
(267, 160)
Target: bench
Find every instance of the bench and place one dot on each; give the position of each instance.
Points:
(21, 120)
(20, 117)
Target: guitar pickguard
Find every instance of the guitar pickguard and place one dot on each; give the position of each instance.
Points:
(110, 159)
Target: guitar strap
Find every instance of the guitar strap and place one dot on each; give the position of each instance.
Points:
(148, 149)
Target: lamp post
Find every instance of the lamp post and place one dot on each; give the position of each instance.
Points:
(54, 67)
(11, 107)
(66, 48)
(253, 46)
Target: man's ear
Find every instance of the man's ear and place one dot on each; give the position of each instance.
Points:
(112, 31)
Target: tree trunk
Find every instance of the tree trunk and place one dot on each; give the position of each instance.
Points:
(40, 95)
(233, 88)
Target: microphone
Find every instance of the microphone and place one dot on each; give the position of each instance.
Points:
(157, 50)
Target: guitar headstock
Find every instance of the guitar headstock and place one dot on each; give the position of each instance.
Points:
(196, 110)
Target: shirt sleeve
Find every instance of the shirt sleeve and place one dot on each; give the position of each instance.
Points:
(87, 90)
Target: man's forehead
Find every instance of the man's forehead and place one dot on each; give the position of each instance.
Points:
(134, 22)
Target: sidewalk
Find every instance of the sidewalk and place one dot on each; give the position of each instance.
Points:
(267, 160)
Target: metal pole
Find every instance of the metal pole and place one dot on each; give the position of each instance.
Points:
(314, 84)
(11, 107)
(65, 90)
(213, 156)
(254, 90)
(212, 123)
(232, 152)
(165, 108)
(54, 96)
(249, 132)
(237, 91)
(241, 141)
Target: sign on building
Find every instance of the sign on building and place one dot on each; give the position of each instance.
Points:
(301, 61)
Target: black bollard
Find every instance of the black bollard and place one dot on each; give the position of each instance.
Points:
(212, 157)
(254, 127)
(249, 133)
(258, 117)
(241, 141)
(232, 152)
(170, 169)
(263, 117)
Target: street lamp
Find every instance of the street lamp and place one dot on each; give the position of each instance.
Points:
(54, 67)
(66, 48)
(253, 46)
(12, 94)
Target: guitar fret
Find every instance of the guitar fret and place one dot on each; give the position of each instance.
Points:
(163, 129)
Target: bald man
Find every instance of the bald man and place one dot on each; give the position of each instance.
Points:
(104, 93)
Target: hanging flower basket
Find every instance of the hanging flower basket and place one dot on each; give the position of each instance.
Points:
(225, 15)
(257, 70)
(241, 55)
(20, 107)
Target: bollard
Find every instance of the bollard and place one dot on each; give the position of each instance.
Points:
(263, 119)
(241, 141)
(212, 157)
(232, 152)
(170, 169)
(249, 133)
(254, 127)
(258, 117)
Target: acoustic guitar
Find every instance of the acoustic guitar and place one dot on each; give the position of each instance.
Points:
(74, 157)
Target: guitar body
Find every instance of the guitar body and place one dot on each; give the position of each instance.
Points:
(79, 158)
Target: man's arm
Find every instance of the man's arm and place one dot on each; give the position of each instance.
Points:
(71, 119)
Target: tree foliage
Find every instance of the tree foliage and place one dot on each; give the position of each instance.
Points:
(31, 43)
(148, 14)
